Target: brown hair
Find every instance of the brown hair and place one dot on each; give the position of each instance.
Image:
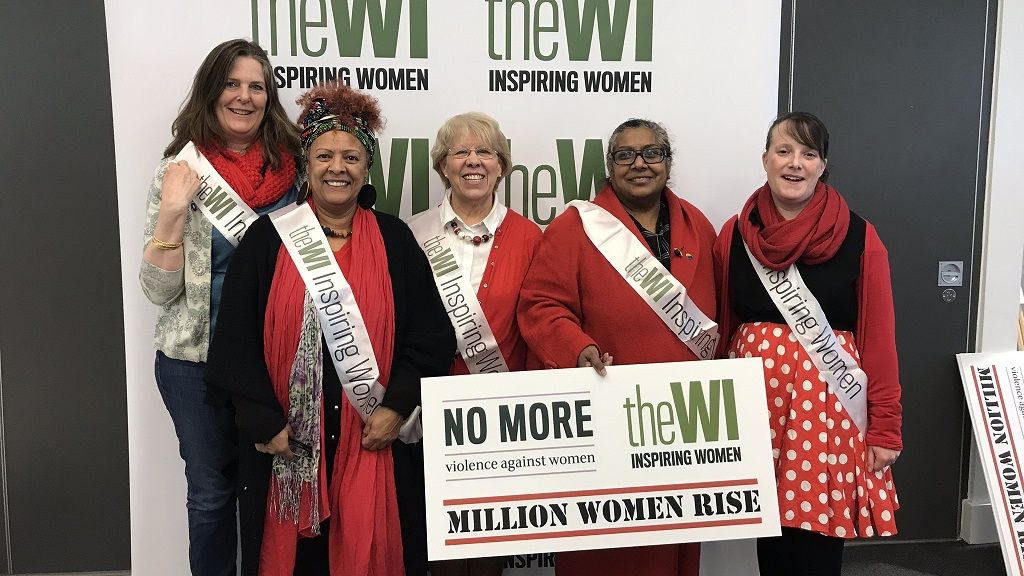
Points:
(805, 128)
(197, 121)
(344, 102)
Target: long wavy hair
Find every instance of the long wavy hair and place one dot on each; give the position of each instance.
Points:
(197, 119)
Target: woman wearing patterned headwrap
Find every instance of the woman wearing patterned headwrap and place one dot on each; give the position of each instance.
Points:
(234, 118)
(322, 351)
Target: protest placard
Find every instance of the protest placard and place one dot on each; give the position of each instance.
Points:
(994, 388)
(551, 460)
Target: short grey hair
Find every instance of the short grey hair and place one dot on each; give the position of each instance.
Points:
(478, 124)
(660, 138)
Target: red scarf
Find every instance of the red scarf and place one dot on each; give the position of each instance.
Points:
(365, 534)
(812, 237)
(257, 185)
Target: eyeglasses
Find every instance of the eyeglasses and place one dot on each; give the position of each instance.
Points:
(463, 153)
(626, 156)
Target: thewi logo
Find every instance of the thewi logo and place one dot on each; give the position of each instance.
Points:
(312, 28)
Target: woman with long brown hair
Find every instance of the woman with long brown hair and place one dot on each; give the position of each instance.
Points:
(234, 131)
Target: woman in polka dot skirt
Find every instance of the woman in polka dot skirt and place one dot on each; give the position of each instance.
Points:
(834, 479)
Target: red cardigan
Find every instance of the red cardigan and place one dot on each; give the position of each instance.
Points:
(512, 249)
(875, 333)
(572, 297)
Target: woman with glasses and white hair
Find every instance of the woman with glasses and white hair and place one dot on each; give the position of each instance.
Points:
(581, 307)
(491, 248)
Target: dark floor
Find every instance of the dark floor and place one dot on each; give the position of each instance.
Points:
(923, 559)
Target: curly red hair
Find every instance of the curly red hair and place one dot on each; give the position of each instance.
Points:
(344, 102)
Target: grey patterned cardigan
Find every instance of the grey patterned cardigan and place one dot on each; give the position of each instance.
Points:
(183, 324)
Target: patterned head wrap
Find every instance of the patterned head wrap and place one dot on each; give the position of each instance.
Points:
(319, 120)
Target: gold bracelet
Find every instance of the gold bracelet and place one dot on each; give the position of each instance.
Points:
(165, 245)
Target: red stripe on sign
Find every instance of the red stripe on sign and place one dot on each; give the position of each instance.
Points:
(992, 450)
(601, 531)
(1016, 457)
(600, 491)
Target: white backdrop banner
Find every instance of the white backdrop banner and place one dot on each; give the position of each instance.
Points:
(557, 75)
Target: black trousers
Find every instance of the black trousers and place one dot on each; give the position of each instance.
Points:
(800, 553)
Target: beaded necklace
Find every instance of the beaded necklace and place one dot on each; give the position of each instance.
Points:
(335, 234)
(475, 240)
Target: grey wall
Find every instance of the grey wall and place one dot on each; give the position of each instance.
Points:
(904, 88)
(61, 334)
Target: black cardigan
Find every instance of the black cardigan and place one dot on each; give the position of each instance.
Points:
(236, 371)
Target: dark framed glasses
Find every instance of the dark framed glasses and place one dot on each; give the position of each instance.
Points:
(626, 156)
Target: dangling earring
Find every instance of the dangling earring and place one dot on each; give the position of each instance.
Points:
(367, 196)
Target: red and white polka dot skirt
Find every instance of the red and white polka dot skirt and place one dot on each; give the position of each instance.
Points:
(823, 482)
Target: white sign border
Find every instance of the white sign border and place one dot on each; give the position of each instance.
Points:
(1013, 418)
(505, 488)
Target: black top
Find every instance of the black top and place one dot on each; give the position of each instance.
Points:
(833, 283)
(658, 239)
(236, 371)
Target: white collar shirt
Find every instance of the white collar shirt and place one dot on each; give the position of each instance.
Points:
(472, 258)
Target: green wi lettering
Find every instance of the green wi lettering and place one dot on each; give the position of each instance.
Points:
(389, 188)
(543, 25)
(304, 19)
(578, 181)
(699, 408)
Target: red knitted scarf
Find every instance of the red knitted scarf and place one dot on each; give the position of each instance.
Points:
(247, 174)
(812, 237)
(365, 534)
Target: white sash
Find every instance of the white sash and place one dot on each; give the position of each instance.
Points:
(348, 342)
(223, 207)
(651, 281)
(803, 314)
(476, 341)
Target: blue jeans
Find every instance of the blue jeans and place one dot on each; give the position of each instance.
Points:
(207, 442)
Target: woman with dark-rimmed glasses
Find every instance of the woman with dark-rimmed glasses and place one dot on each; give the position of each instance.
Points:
(578, 308)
